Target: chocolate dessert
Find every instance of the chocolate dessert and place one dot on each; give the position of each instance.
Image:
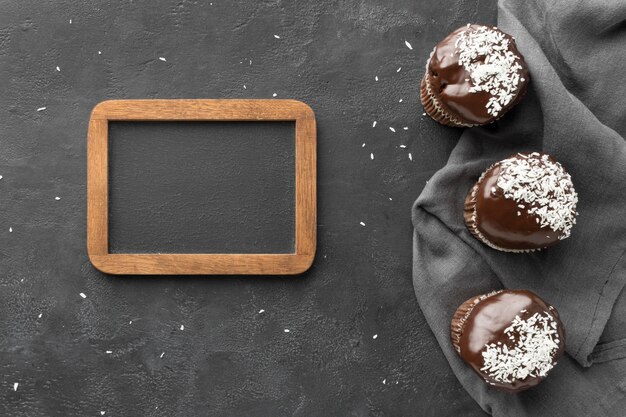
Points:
(473, 77)
(510, 338)
(526, 202)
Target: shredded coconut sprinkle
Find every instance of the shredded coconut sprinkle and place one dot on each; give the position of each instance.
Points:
(535, 341)
(543, 186)
(484, 53)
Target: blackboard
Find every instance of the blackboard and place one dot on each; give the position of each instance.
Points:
(201, 187)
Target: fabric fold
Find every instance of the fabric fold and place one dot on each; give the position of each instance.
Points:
(570, 50)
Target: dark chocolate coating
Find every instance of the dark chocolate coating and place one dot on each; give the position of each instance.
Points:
(447, 79)
(498, 222)
(486, 324)
(497, 219)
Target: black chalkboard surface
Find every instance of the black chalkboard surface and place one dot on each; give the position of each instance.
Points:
(201, 187)
(235, 202)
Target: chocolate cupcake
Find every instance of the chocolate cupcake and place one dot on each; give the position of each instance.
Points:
(511, 338)
(524, 203)
(473, 77)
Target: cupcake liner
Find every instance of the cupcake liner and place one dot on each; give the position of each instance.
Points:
(469, 211)
(458, 322)
(457, 325)
(437, 113)
(469, 215)
(432, 107)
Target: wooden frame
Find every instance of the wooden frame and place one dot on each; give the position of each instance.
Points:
(201, 110)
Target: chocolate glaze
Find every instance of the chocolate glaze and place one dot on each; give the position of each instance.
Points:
(486, 323)
(447, 79)
(497, 221)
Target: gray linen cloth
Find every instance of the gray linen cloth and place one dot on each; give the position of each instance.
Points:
(576, 111)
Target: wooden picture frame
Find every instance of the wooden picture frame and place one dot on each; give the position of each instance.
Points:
(202, 110)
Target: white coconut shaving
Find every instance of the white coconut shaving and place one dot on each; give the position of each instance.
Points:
(535, 342)
(484, 53)
(542, 185)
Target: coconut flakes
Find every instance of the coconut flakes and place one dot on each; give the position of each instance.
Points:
(536, 182)
(484, 53)
(535, 340)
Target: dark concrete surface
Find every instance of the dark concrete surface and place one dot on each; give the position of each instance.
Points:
(121, 349)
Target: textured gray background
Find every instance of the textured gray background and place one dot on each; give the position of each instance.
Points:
(229, 360)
